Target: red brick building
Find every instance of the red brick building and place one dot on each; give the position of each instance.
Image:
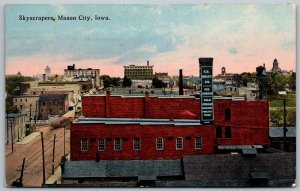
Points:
(149, 127)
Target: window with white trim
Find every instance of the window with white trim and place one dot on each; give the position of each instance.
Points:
(101, 145)
(179, 143)
(198, 143)
(159, 143)
(118, 144)
(136, 144)
(84, 145)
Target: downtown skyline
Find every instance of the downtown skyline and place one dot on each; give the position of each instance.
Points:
(239, 37)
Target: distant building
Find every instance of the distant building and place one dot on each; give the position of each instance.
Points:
(275, 68)
(227, 78)
(27, 105)
(139, 72)
(15, 127)
(52, 104)
(47, 73)
(73, 74)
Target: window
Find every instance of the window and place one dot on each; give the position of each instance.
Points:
(198, 143)
(159, 143)
(179, 143)
(227, 114)
(21, 107)
(227, 132)
(118, 144)
(26, 100)
(219, 132)
(136, 144)
(84, 145)
(16, 100)
(44, 104)
(101, 145)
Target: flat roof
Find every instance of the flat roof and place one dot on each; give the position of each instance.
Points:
(142, 169)
(138, 121)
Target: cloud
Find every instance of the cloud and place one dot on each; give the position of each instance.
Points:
(233, 50)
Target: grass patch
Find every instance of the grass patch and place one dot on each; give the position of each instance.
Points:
(276, 101)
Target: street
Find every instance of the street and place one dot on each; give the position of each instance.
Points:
(32, 151)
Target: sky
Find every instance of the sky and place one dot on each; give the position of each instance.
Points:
(239, 37)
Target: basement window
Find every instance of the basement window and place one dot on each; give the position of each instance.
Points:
(84, 145)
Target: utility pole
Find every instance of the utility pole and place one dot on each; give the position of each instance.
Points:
(64, 140)
(36, 108)
(30, 114)
(7, 137)
(43, 158)
(284, 126)
(53, 156)
(12, 137)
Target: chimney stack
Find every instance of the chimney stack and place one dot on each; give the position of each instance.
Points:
(44, 77)
(180, 82)
(148, 63)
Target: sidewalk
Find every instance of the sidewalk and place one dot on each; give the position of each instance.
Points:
(28, 138)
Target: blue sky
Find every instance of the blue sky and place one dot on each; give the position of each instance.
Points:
(239, 37)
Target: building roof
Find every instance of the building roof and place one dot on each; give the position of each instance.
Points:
(222, 167)
(139, 121)
(49, 97)
(275, 132)
(13, 115)
(142, 169)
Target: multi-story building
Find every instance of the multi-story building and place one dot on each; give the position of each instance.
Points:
(47, 73)
(52, 104)
(73, 74)
(15, 127)
(139, 72)
(27, 105)
(149, 127)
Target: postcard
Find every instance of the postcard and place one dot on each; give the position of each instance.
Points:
(150, 95)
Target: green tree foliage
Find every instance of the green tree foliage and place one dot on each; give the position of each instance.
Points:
(247, 77)
(14, 85)
(10, 108)
(279, 81)
(156, 83)
(115, 81)
(292, 81)
(110, 81)
(106, 80)
(126, 82)
(276, 117)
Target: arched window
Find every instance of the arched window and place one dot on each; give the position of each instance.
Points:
(227, 114)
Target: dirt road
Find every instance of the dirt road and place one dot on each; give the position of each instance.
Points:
(32, 151)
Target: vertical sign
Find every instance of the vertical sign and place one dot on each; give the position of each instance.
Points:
(206, 95)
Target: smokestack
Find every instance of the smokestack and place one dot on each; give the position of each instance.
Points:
(44, 77)
(148, 63)
(264, 65)
(180, 82)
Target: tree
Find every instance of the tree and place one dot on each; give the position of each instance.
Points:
(292, 82)
(107, 81)
(156, 83)
(14, 85)
(279, 82)
(126, 82)
(115, 81)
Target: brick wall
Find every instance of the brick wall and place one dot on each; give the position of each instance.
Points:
(248, 123)
(147, 135)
